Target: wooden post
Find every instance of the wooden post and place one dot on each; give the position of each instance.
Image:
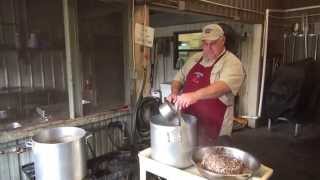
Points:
(141, 53)
(74, 75)
(127, 51)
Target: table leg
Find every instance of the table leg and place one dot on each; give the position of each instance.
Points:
(143, 172)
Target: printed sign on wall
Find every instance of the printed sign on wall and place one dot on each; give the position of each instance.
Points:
(144, 35)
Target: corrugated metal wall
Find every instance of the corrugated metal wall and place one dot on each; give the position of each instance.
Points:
(43, 69)
(10, 164)
(287, 4)
(242, 10)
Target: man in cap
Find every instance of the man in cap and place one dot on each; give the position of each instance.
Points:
(207, 84)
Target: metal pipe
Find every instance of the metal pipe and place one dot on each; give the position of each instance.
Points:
(302, 8)
(295, 9)
(232, 7)
(265, 45)
(295, 17)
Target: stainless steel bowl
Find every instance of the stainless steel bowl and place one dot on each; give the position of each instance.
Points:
(249, 161)
(168, 110)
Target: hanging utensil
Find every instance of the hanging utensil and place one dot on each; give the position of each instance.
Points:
(289, 48)
(293, 48)
(284, 48)
(311, 44)
(316, 47)
(296, 28)
(305, 32)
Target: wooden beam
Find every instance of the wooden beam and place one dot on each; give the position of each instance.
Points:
(127, 51)
(141, 53)
(74, 73)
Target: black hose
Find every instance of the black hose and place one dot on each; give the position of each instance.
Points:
(147, 107)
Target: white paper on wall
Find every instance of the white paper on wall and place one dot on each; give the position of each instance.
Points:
(144, 35)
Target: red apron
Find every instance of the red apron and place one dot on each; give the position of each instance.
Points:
(209, 112)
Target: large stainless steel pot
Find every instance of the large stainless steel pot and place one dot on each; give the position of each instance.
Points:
(59, 154)
(173, 144)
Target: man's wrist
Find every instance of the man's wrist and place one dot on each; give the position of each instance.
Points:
(175, 87)
(197, 95)
(174, 92)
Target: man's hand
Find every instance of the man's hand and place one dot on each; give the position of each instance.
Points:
(186, 99)
(175, 89)
(172, 98)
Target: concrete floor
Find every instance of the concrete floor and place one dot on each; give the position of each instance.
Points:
(290, 157)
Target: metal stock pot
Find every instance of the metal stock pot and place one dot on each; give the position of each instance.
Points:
(59, 153)
(171, 143)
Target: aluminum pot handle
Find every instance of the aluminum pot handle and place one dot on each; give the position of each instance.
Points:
(87, 137)
(28, 143)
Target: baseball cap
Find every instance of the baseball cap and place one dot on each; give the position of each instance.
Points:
(212, 32)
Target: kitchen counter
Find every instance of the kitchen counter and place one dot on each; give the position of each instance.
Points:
(32, 126)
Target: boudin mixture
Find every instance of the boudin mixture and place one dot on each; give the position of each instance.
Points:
(221, 164)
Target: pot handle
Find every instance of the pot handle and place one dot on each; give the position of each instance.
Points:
(87, 137)
(28, 143)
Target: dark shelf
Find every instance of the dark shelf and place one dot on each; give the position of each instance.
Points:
(44, 49)
(8, 48)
